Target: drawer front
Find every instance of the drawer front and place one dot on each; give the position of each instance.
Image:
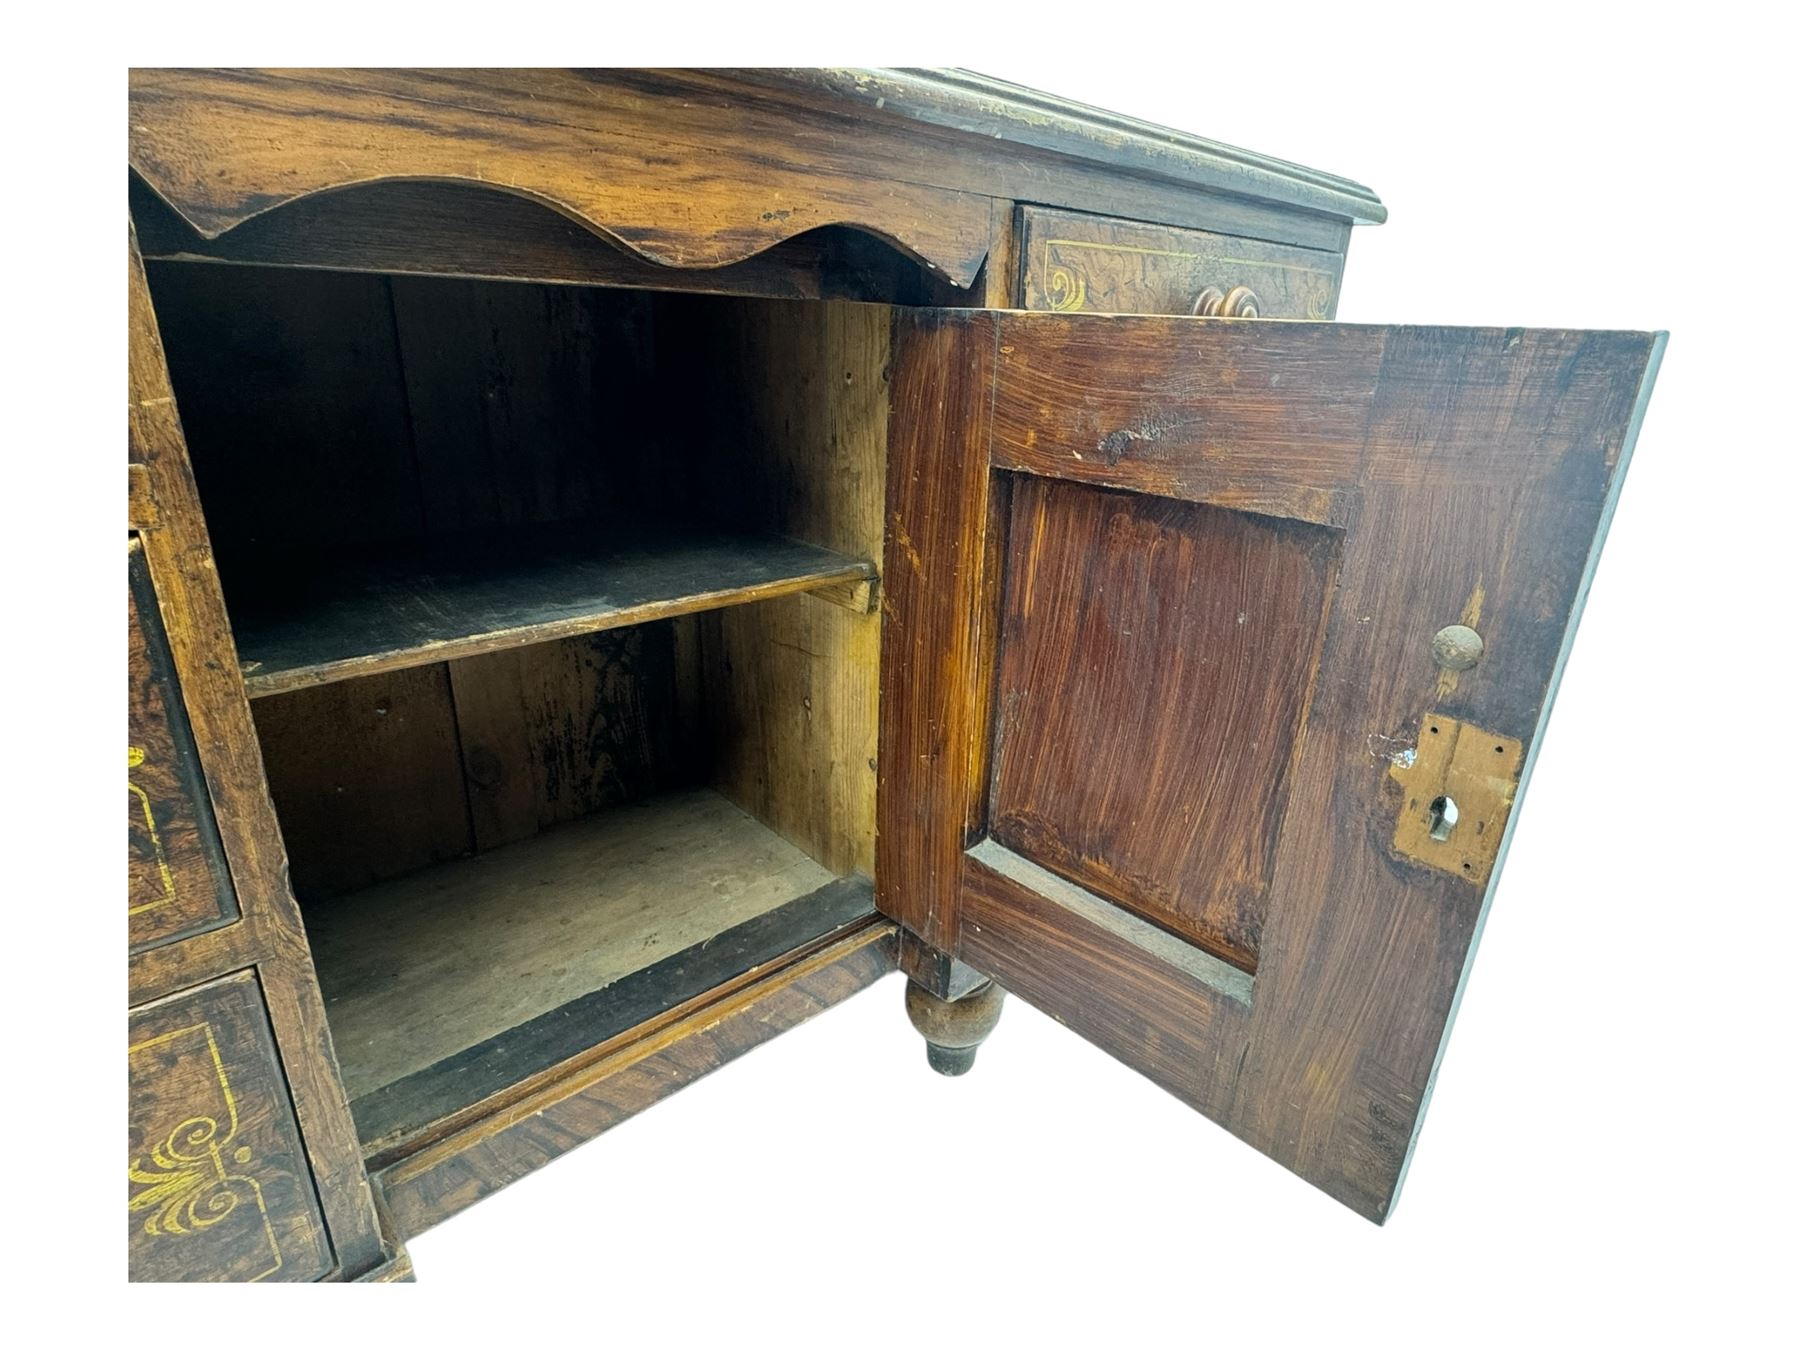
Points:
(178, 882)
(1075, 262)
(219, 1185)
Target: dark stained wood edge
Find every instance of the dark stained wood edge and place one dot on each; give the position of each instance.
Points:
(471, 230)
(398, 1269)
(979, 105)
(157, 972)
(942, 975)
(930, 756)
(367, 621)
(1470, 462)
(178, 555)
(385, 1118)
(1628, 445)
(998, 286)
(1102, 980)
(784, 155)
(1157, 944)
(574, 141)
(140, 499)
(429, 1186)
(1271, 424)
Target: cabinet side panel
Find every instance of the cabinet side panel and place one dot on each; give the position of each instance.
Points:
(791, 399)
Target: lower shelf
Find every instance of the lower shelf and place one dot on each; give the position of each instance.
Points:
(457, 982)
(427, 1182)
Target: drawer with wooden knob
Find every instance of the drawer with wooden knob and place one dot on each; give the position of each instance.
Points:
(219, 1185)
(1075, 262)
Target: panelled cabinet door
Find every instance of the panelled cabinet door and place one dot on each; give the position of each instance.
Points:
(1216, 655)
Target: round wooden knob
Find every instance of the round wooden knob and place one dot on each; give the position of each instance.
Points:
(1209, 303)
(1240, 303)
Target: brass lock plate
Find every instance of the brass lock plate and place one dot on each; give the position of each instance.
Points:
(1457, 792)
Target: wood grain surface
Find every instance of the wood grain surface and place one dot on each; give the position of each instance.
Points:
(467, 231)
(1071, 262)
(1471, 473)
(791, 421)
(178, 881)
(1148, 640)
(933, 613)
(423, 967)
(583, 1099)
(185, 579)
(225, 146)
(510, 589)
(220, 1186)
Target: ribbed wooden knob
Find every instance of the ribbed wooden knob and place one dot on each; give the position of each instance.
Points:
(1239, 302)
(1208, 303)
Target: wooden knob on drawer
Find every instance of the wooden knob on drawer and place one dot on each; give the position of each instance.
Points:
(1209, 303)
(1240, 303)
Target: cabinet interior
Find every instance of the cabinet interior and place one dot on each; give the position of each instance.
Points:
(556, 607)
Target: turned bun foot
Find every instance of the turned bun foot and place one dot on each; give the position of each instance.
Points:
(953, 1031)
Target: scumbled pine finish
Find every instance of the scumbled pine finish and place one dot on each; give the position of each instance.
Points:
(622, 560)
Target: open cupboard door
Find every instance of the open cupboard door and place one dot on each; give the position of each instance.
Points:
(1216, 656)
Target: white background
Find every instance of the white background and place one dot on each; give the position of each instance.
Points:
(1609, 1152)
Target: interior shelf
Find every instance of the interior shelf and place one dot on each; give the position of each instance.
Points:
(459, 597)
(455, 982)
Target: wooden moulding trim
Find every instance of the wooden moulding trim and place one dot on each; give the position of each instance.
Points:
(959, 270)
(421, 1152)
(1155, 943)
(652, 172)
(961, 100)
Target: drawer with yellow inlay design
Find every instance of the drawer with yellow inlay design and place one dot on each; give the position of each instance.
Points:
(1100, 265)
(178, 884)
(220, 1188)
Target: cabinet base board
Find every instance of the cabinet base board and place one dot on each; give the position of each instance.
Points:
(587, 1097)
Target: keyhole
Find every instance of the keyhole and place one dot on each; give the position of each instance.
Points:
(1443, 817)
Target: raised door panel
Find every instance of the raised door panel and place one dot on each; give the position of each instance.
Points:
(1150, 640)
(1216, 654)
(178, 884)
(219, 1187)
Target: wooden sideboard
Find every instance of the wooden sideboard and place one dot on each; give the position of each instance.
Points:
(619, 561)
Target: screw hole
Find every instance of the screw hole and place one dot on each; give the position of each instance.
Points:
(1499, 749)
(1434, 731)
